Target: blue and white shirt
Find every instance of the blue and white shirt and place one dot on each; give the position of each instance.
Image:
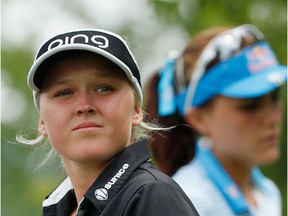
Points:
(213, 192)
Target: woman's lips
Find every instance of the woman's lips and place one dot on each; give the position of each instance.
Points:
(270, 139)
(87, 126)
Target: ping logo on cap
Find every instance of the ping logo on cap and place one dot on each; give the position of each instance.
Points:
(93, 38)
(98, 40)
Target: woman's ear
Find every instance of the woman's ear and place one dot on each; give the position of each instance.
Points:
(195, 119)
(138, 115)
(42, 128)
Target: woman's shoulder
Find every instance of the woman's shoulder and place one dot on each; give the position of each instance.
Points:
(199, 188)
(191, 174)
(194, 181)
(271, 186)
(148, 190)
(147, 173)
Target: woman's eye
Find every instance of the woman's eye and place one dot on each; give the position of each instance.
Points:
(104, 88)
(64, 92)
(275, 96)
(249, 107)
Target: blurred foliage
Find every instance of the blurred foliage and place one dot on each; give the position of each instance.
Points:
(23, 189)
(268, 15)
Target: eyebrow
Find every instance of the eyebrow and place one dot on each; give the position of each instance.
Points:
(52, 83)
(96, 74)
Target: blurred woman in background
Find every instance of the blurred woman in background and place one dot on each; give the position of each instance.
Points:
(223, 93)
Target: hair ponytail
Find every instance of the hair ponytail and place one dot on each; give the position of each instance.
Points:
(174, 148)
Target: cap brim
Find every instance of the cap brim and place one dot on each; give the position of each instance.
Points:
(83, 47)
(258, 84)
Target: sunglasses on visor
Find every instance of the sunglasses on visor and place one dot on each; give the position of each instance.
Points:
(222, 47)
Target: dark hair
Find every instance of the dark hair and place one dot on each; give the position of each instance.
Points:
(175, 148)
(170, 149)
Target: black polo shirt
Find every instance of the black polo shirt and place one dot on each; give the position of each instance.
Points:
(129, 186)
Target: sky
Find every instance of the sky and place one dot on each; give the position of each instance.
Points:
(29, 23)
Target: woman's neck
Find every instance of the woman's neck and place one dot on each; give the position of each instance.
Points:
(83, 175)
(241, 174)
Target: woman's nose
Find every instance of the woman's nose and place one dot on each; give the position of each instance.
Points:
(85, 109)
(271, 115)
(85, 106)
